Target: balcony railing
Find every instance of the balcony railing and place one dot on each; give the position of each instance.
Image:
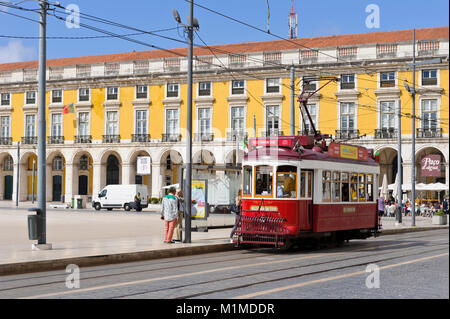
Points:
(141, 138)
(111, 138)
(29, 140)
(5, 140)
(386, 133)
(270, 133)
(203, 137)
(171, 137)
(83, 139)
(307, 132)
(347, 134)
(239, 135)
(429, 132)
(56, 140)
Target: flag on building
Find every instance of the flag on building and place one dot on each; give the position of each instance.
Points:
(245, 141)
(68, 109)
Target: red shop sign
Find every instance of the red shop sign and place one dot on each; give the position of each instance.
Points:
(431, 165)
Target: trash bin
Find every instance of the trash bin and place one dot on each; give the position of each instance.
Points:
(73, 202)
(79, 203)
(34, 224)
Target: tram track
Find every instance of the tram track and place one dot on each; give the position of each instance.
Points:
(438, 247)
(201, 263)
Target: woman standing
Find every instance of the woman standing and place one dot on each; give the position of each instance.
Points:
(237, 210)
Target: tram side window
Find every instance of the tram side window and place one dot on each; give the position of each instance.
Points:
(326, 186)
(345, 190)
(303, 184)
(264, 180)
(336, 187)
(354, 187)
(247, 180)
(309, 176)
(361, 187)
(369, 192)
(287, 182)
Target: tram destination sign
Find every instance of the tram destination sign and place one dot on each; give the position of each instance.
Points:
(348, 151)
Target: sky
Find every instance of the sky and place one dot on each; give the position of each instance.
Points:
(316, 18)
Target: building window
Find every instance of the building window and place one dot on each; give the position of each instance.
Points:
(387, 79)
(348, 116)
(31, 97)
(5, 126)
(237, 87)
(312, 108)
(347, 81)
(204, 121)
(204, 89)
(387, 114)
(5, 99)
(30, 125)
(112, 123)
(309, 85)
(429, 77)
(172, 121)
(83, 124)
(142, 92)
(83, 95)
(112, 93)
(237, 119)
(273, 85)
(141, 122)
(429, 114)
(57, 163)
(57, 125)
(56, 96)
(273, 120)
(172, 90)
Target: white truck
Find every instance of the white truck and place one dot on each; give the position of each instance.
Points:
(120, 196)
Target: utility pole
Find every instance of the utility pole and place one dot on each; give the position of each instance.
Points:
(413, 135)
(254, 125)
(17, 174)
(399, 163)
(33, 180)
(41, 151)
(192, 24)
(292, 100)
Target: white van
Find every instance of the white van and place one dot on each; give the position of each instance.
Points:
(120, 196)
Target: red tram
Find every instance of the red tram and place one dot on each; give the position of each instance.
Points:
(295, 189)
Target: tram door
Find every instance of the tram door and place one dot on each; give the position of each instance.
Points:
(306, 194)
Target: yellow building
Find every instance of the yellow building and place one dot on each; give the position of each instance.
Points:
(105, 111)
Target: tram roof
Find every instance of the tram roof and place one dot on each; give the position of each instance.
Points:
(280, 153)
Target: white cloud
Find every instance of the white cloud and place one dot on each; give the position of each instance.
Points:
(15, 51)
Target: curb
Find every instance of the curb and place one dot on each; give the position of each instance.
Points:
(409, 230)
(89, 261)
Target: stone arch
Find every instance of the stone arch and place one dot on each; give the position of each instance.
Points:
(6, 176)
(82, 173)
(388, 162)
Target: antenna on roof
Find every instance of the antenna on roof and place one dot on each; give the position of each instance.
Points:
(293, 22)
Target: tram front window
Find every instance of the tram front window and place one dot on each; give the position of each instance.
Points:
(286, 185)
(247, 180)
(264, 180)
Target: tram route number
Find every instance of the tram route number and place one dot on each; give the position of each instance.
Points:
(245, 308)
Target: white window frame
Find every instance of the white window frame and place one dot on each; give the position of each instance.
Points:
(438, 110)
(26, 97)
(315, 117)
(266, 119)
(199, 120)
(136, 121)
(244, 118)
(52, 115)
(137, 92)
(355, 81)
(5, 125)
(178, 90)
(438, 76)
(380, 113)
(107, 93)
(26, 125)
(52, 96)
(9, 99)
(244, 87)
(266, 84)
(79, 94)
(395, 80)
(88, 123)
(199, 87)
(166, 127)
(355, 120)
(107, 122)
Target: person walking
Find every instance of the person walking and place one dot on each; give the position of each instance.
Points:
(178, 226)
(237, 210)
(381, 207)
(169, 213)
